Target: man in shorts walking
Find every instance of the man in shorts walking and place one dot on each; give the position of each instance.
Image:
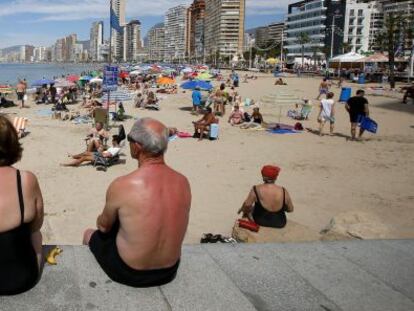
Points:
(21, 92)
(357, 107)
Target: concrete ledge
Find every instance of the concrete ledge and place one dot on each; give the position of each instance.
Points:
(349, 275)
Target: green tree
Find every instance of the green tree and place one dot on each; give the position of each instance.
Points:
(303, 39)
(395, 28)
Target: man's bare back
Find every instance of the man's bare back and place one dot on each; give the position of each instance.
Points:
(153, 208)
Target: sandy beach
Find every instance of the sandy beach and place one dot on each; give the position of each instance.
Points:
(366, 186)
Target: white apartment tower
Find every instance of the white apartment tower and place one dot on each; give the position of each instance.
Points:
(175, 33)
(117, 42)
(96, 41)
(224, 27)
(363, 20)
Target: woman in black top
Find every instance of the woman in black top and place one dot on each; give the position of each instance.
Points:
(21, 207)
(267, 204)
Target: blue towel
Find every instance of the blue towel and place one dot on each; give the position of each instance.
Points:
(282, 131)
(44, 112)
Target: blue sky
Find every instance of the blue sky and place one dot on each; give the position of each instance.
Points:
(41, 22)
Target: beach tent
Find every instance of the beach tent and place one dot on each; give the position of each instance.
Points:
(191, 85)
(42, 82)
(350, 57)
(165, 81)
(374, 58)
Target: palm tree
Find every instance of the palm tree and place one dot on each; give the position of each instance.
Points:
(303, 39)
(388, 40)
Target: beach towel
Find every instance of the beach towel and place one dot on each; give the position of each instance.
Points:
(282, 131)
(44, 112)
(184, 135)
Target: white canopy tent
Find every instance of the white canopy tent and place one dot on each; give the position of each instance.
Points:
(350, 57)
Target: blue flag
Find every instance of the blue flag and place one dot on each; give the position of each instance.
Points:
(115, 22)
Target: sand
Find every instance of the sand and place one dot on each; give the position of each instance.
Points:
(327, 177)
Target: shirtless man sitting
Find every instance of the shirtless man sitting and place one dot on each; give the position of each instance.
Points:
(95, 137)
(203, 124)
(142, 227)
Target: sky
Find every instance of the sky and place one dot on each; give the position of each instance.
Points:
(41, 22)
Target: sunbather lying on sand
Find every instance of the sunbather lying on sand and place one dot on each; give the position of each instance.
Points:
(88, 156)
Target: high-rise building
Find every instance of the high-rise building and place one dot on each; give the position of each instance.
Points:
(117, 42)
(262, 36)
(70, 48)
(40, 54)
(405, 9)
(96, 41)
(156, 42)
(224, 27)
(195, 29)
(323, 23)
(175, 33)
(133, 43)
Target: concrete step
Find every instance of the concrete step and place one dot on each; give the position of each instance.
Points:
(344, 275)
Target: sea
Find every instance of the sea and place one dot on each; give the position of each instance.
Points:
(11, 73)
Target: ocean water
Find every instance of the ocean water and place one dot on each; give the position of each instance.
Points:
(11, 73)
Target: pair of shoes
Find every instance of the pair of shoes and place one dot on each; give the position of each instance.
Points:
(217, 238)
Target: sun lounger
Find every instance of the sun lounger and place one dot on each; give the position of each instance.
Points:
(20, 126)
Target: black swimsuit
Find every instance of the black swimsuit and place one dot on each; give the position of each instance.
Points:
(19, 270)
(105, 250)
(269, 219)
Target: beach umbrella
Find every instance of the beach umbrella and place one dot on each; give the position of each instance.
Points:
(63, 83)
(191, 85)
(95, 73)
(85, 78)
(72, 78)
(204, 76)
(187, 70)
(119, 95)
(272, 61)
(124, 75)
(165, 81)
(42, 82)
(135, 73)
(96, 80)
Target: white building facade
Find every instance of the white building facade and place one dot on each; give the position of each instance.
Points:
(175, 33)
(117, 42)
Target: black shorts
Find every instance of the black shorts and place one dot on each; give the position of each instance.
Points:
(355, 117)
(103, 246)
(20, 96)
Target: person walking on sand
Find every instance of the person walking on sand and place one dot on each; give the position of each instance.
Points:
(357, 107)
(21, 92)
(323, 88)
(142, 227)
(327, 113)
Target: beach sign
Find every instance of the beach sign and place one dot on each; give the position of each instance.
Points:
(110, 77)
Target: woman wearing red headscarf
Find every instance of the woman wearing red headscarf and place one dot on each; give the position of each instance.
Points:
(267, 204)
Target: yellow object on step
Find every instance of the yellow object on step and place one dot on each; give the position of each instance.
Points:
(51, 256)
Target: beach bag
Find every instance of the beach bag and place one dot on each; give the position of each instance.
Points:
(249, 225)
(214, 131)
(25, 97)
(369, 125)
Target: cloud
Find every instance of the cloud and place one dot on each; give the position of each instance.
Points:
(64, 10)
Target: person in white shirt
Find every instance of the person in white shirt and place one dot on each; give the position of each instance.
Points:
(327, 113)
(87, 156)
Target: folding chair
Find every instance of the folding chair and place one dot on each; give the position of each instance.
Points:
(19, 124)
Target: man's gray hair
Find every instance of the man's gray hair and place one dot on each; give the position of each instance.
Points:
(152, 142)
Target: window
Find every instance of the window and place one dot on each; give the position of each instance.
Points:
(352, 12)
(360, 12)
